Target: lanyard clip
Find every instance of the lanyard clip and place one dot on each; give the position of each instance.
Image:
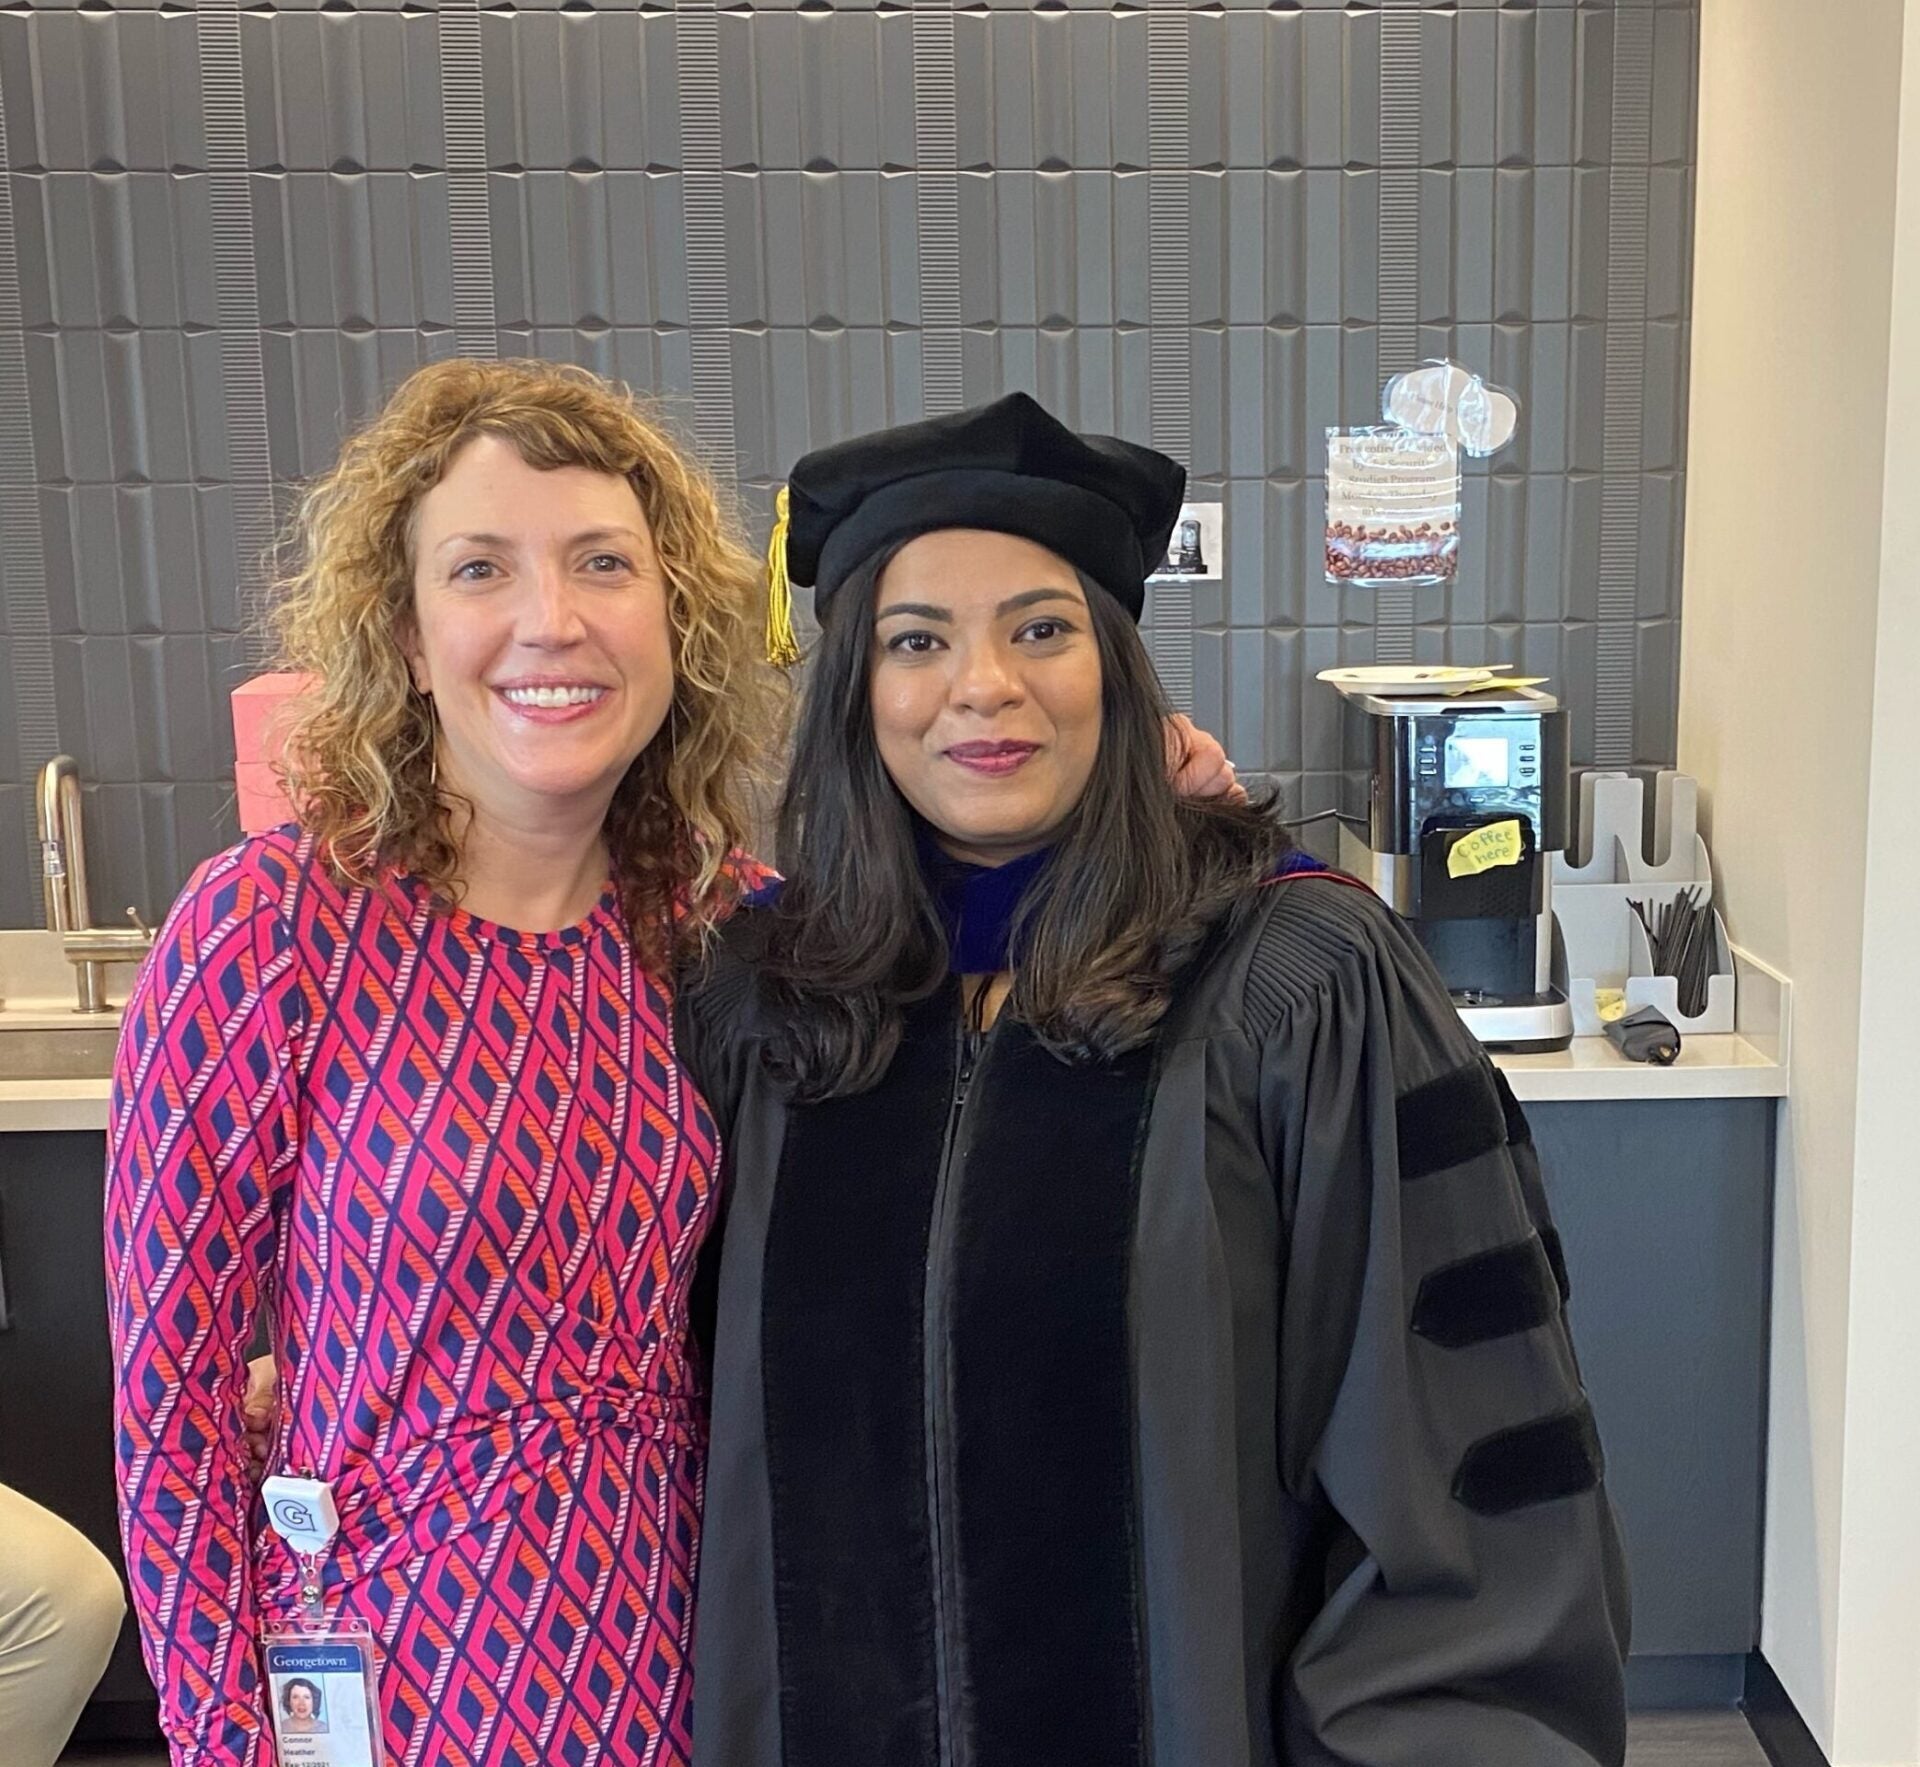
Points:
(310, 1587)
(301, 1511)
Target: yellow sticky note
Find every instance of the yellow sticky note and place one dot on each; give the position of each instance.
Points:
(1499, 843)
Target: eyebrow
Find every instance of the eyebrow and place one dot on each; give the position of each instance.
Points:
(590, 537)
(923, 610)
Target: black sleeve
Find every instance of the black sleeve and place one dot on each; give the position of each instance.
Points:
(1475, 1606)
(715, 1043)
(715, 1022)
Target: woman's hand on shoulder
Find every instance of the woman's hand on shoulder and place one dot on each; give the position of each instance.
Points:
(1197, 763)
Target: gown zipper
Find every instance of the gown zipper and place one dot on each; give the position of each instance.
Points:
(972, 1043)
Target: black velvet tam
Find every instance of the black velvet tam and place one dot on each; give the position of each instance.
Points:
(1104, 505)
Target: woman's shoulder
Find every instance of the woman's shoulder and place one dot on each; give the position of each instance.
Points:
(254, 879)
(718, 1014)
(230, 935)
(1299, 937)
(719, 980)
(280, 890)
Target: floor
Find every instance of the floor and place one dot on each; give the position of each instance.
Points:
(1693, 1739)
(1676, 1739)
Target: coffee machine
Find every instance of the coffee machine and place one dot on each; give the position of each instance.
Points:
(1465, 804)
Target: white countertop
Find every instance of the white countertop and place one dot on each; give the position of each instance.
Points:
(1751, 1061)
(1726, 1066)
(37, 994)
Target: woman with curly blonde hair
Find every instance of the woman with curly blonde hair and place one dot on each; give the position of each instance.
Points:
(401, 1076)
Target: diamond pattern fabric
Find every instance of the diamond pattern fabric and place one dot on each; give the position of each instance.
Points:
(461, 1169)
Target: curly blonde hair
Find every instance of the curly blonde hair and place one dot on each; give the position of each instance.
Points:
(359, 755)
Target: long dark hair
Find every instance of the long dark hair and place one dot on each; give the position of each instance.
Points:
(1136, 878)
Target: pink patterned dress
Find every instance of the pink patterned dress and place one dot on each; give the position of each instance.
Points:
(465, 1169)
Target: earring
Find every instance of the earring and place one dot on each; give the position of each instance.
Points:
(433, 742)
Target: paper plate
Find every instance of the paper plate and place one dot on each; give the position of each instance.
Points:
(1407, 678)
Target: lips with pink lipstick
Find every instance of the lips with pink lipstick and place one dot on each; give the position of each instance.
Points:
(993, 760)
(551, 699)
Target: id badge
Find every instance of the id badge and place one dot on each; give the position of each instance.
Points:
(323, 1693)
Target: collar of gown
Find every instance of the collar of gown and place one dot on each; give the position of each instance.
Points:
(978, 905)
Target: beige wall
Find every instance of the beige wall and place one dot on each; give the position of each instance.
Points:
(1800, 524)
(1877, 1693)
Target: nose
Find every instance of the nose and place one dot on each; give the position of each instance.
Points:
(986, 678)
(550, 614)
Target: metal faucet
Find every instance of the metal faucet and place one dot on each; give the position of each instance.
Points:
(63, 882)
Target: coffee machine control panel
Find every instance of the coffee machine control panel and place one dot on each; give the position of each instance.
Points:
(1483, 759)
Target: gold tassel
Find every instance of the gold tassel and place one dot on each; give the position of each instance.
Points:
(783, 649)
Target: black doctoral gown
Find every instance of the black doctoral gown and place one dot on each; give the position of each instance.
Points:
(1212, 1407)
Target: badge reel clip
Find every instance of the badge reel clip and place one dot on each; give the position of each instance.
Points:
(321, 1674)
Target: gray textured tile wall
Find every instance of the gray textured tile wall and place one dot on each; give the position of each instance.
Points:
(226, 229)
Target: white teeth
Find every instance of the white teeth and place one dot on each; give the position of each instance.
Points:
(552, 696)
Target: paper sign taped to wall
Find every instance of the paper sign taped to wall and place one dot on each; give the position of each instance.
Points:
(1499, 843)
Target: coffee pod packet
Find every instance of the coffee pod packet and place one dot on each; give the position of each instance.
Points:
(1393, 490)
(1393, 507)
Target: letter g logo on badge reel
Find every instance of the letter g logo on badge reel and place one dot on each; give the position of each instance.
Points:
(301, 1511)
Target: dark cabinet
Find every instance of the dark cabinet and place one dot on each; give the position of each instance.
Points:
(56, 1374)
(1666, 1210)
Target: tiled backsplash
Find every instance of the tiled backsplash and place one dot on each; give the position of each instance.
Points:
(226, 230)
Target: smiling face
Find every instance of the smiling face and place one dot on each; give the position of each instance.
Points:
(540, 631)
(985, 682)
(299, 1702)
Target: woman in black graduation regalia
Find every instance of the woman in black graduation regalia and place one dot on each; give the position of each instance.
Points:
(1139, 1328)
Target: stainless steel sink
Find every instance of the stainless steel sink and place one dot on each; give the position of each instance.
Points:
(84, 1052)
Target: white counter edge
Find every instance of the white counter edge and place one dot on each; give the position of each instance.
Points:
(52, 1104)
